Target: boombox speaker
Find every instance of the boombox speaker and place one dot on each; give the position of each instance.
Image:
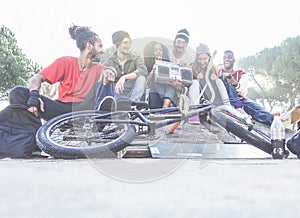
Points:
(166, 70)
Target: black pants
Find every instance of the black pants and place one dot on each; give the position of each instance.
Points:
(53, 108)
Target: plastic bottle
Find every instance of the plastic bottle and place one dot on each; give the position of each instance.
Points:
(277, 137)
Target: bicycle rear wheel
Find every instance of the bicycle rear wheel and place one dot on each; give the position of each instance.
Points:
(233, 125)
(82, 134)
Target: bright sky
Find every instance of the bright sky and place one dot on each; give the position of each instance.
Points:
(244, 26)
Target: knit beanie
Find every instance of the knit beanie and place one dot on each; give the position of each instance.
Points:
(117, 37)
(184, 34)
(202, 49)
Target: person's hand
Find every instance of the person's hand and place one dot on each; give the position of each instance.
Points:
(183, 64)
(109, 75)
(231, 80)
(200, 76)
(35, 110)
(177, 83)
(119, 88)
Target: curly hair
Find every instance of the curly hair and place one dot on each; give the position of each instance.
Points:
(148, 54)
(82, 35)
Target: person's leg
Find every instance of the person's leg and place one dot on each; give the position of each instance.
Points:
(103, 91)
(223, 93)
(234, 98)
(194, 92)
(138, 90)
(169, 95)
(20, 95)
(54, 108)
(155, 100)
(257, 112)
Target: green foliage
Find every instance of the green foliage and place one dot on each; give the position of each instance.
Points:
(280, 67)
(15, 67)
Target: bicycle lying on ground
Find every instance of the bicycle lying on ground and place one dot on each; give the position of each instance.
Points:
(96, 134)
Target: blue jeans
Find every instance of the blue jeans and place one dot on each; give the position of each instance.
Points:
(158, 92)
(137, 91)
(103, 91)
(255, 110)
(234, 98)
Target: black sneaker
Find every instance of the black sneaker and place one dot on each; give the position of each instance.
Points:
(108, 104)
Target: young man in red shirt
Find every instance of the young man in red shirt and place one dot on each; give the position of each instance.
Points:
(76, 77)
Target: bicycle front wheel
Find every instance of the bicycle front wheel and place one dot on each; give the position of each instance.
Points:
(82, 134)
(252, 136)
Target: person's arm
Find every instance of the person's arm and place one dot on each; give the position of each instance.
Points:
(141, 69)
(232, 81)
(242, 87)
(34, 101)
(108, 75)
(177, 84)
(119, 88)
(36, 81)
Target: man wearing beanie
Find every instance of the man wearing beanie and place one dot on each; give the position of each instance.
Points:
(179, 53)
(130, 69)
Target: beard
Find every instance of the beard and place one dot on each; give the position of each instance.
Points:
(94, 55)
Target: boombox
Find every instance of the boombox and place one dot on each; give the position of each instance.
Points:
(166, 70)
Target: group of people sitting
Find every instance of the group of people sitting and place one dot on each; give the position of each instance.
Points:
(84, 83)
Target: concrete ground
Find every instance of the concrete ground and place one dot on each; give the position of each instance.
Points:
(149, 188)
(236, 181)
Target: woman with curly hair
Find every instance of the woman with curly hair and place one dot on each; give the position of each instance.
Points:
(160, 95)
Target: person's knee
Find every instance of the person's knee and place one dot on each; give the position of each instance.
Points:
(140, 84)
(140, 81)
(18, 95)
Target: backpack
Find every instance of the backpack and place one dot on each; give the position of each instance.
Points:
(18, 128)
(293, 144)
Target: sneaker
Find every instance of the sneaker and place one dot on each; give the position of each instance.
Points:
(108, 104)
(194, 120)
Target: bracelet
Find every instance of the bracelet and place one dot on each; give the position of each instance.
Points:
(237, 86)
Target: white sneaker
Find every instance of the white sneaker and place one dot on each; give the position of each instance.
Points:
(108, 104)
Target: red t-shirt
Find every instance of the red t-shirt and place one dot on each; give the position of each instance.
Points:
(74, 84)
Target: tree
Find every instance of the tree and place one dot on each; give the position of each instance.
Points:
(280, 69)
(15, 67)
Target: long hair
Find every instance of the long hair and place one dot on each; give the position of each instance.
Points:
(82, 35)
(196, 68)
(149, 57)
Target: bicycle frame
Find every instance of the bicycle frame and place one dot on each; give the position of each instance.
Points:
(153, 118)
(92, 135)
